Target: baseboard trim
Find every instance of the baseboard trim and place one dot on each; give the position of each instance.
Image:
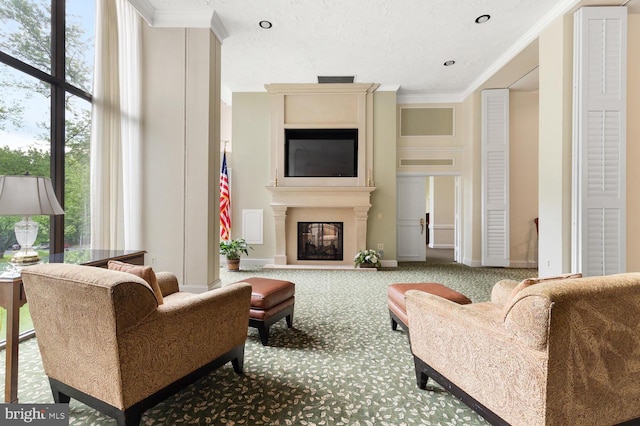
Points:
(249, 263)
(441, 246)
(472, 263)
(523, 264)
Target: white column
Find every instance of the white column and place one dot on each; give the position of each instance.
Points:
(280, 219)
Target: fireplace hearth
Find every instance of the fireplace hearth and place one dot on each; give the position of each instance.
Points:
(320, 241)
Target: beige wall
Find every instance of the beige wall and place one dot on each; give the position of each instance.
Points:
(249, 163)
(471, 182)
(555, 124)
(432, 155)
(250, 174)
(382, 215)
(523, 178)
(633, 142)
(163, 139)
(226, 114)
(180, 103)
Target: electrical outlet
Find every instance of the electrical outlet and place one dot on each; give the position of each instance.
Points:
(153, 260)
(380, 246)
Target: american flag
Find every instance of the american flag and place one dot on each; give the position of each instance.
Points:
(225, 201)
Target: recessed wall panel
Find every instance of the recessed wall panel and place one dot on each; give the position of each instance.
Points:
(426, 122)
(321, 109)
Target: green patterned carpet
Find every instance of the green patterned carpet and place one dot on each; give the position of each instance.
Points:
(340, 364)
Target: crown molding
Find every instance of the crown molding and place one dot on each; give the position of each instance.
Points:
(288, 88)
(429, 98)
(177, 18)
(145, 9)
(218, 27)
(388, 88)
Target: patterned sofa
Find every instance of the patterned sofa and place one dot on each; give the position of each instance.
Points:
(109, 341)
(560, 352)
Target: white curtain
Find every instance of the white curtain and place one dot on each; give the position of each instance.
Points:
(115, 134)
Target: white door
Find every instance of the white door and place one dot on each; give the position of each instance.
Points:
(599, 144)
(495, 177)
(411, 226)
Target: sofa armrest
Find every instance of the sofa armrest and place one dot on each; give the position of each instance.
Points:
(182, 335)
(501, 291)
(423, 306)
(168, 283)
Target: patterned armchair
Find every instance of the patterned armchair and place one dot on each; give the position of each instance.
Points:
(106, 341)
(562, 352)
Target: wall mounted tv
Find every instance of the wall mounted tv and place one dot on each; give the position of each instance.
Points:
(321, 152)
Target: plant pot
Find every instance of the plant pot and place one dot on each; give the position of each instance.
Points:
(367, 265)
(233, 264)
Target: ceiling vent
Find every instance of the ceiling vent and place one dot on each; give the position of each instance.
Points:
(336, 78)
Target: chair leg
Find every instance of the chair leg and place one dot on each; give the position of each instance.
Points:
(289, 319)
(263, 331)
(238, 363)
(394, 324)
(421, 375)
(130, 417)
(58, 396)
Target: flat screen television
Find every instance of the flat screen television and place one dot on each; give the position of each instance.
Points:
(321, 152)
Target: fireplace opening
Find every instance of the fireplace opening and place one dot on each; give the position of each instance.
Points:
(320, 240)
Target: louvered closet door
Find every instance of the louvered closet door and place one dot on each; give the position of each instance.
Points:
(600, 140)
(495, 177)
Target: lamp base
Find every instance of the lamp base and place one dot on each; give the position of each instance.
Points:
(25, 257)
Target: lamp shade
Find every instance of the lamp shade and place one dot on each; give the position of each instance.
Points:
(27, 195)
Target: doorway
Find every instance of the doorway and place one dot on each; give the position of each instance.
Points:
(428, 218)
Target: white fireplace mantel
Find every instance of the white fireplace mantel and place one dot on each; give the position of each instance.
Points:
(320, 199)
(351, 202)
(321, 196)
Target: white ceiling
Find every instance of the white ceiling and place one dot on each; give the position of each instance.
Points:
(401, 45)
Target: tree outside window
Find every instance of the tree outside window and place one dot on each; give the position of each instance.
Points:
(30, 122)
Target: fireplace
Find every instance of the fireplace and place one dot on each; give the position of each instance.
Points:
(293, 205)
(320, 241)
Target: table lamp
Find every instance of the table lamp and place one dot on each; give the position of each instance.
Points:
(27, 195)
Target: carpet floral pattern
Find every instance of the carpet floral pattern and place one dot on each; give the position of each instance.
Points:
(341, 364)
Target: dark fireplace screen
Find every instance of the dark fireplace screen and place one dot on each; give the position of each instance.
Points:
(319, 240)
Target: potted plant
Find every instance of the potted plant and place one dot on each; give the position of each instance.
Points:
(233, 249)
(367, 259)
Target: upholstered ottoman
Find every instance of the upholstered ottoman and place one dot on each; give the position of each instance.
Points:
(271, 300)
(398, 309)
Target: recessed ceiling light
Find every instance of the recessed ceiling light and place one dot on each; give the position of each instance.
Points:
(265, 24)
(449, 63)
(482, 19)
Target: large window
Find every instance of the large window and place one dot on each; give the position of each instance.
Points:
(46, 79)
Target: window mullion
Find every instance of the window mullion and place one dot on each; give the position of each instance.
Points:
(58, 17)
